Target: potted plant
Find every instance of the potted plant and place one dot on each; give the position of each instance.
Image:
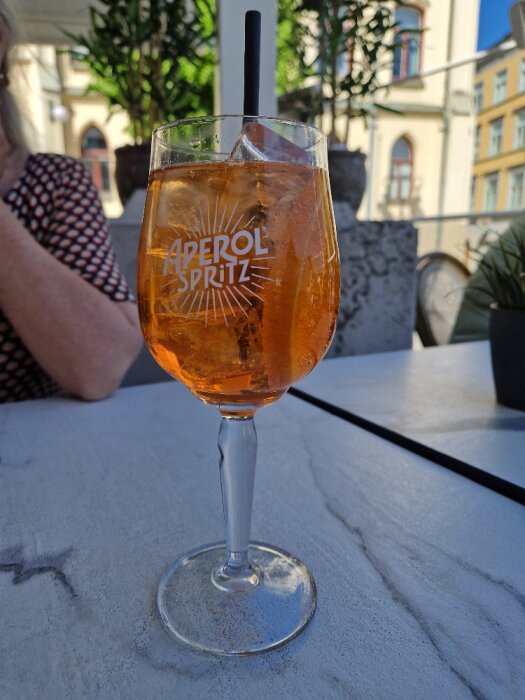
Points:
(354, 40)
(503, 269)
(154, 60)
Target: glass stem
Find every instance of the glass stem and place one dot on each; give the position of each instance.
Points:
(238, 452)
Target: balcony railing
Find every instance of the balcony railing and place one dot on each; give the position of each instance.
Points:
(461, 235)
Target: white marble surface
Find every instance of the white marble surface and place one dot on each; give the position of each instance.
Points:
(442, 397)
(421, 573)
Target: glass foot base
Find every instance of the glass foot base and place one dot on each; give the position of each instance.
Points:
(199, 611)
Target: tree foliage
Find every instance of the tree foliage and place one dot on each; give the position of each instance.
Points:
(152, 58)
(354, 39)
(156, 59)
(292, 33)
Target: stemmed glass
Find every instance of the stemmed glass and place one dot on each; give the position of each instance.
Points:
(238, 286)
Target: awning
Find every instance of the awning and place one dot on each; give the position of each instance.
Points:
(41, 21)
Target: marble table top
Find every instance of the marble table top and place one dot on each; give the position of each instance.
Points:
(442, 397)
(420, 572)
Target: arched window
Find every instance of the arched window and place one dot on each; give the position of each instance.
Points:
(95, 156)
(407, 55)
(401, 167)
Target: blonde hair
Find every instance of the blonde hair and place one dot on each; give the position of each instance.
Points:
(9, 114)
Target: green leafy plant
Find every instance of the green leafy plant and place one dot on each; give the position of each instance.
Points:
(354, 40)
(292, 33)
(153, 59)
(503, 269)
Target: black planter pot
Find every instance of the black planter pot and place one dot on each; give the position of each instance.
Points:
(131, 169)
(507, 345)
(347, 175)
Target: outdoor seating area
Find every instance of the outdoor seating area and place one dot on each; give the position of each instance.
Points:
(262, 378)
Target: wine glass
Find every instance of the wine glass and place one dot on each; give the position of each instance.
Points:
(238, 287)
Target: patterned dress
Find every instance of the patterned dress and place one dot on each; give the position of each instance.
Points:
(57, 202)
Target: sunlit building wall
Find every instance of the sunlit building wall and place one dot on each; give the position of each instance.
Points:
(498, 172)
(418, 160)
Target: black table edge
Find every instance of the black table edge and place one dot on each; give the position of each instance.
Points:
(490, 481)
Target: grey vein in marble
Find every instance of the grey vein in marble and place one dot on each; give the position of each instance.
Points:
(438, 632)
(397, 595)
(403, 600)
(12, 560)
(417, 569)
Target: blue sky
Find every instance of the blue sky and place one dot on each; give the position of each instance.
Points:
(493, 21)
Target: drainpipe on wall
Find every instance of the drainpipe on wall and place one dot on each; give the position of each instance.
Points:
(446, 131)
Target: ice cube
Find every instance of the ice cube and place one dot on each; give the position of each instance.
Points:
(258, 142)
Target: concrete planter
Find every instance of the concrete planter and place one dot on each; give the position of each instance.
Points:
(347, 175)
(378, 284)
(131, 169)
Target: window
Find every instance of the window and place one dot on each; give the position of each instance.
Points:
(521, 80)
(95, 157)
(400, 187)
(495, 137)
(500, 87)
(516, 191)
(407, 55)
(478, 97)
(519, 129)
(477, 138)
(490, 194)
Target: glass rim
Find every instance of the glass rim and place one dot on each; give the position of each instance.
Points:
(209, 119)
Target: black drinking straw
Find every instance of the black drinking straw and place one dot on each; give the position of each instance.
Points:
(252, 62)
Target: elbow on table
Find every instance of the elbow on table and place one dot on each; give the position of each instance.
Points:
(94, 390)
(98, 384)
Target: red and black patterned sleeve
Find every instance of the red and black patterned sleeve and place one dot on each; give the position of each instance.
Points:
(77, 233)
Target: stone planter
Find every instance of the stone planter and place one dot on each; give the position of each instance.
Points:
(347, 175)
(507, 346)
(131, 169)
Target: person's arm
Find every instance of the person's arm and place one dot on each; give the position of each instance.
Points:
(78, 335)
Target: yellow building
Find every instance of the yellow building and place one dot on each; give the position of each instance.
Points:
(498, 174)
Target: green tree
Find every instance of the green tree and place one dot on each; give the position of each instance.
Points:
(152, 58)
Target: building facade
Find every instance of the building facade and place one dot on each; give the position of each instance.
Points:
(60, 116)
(498, 172)
(418, 159)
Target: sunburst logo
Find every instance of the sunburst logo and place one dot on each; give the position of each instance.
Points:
(216, 266)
